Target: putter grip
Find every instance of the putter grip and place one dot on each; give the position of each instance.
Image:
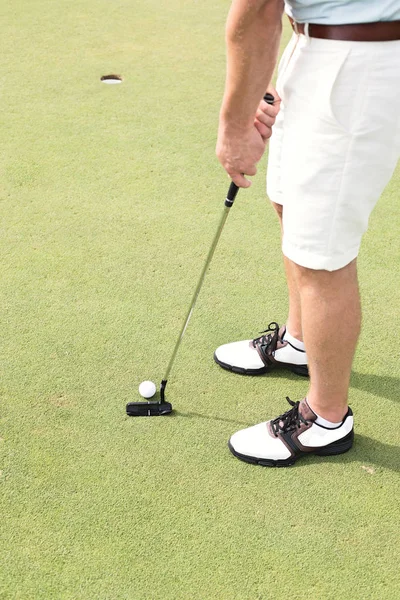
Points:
(231, 195)
(233, 188)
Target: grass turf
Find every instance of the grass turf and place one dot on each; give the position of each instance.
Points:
(110, 196)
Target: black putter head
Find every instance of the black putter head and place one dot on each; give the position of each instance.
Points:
(150, 409)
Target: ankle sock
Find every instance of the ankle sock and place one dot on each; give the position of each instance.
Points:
(293, 352)
(297, 344)
(328, 424)
(324, 422)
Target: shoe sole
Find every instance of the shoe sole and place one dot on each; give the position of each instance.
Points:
(333, 449)
(296, 369)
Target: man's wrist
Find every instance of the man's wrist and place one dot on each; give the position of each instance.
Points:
(232, 122)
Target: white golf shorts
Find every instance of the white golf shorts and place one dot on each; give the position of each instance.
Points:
(335, 144)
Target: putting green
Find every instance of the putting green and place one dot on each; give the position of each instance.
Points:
(109, 198)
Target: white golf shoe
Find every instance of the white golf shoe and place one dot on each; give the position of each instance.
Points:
(258, 356)
(281, 441)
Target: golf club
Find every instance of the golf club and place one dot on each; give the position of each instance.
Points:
(162, 407)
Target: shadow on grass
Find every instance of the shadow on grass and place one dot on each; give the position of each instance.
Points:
(274, 374)
(194, 415)
(366, 451)
(384, 386)
(379, 385)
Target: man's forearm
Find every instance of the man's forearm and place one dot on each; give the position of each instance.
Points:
(253, 33)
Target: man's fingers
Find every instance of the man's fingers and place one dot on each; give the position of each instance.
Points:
(251, 171)
(264, 131)
(264, 118)
(269, 109)
(239, 153)
(240, 180)
(277, 99)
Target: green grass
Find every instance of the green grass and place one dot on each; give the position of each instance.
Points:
(109, 198)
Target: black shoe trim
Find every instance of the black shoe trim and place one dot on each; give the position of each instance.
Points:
(296, 369)
(263, 462)
(294, 347)
(240, 370)
(339, 447)
(348, 414)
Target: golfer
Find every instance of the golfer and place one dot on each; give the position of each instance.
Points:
(335, 128)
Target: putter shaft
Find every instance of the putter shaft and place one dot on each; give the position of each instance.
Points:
(230, 198)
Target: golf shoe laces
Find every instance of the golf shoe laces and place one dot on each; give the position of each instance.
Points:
(270, 340)
(289, 421)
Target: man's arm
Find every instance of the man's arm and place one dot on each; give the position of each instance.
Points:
(253, 34)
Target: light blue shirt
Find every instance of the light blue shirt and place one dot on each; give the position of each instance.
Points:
(339, 12)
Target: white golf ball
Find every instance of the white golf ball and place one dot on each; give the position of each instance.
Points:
(147, 389)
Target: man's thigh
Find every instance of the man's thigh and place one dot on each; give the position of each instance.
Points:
(335, 145)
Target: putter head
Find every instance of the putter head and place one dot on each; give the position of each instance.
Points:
(148, 409)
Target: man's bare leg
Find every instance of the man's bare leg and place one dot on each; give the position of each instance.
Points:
(242, 357)
(330, 308)
(331, 321)
(293, 323)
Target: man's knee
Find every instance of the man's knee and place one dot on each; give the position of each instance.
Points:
(279, 209)
(307, 277)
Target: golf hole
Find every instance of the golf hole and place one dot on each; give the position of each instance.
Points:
(111, 79)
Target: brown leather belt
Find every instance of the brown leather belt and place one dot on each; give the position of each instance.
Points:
(381, 31)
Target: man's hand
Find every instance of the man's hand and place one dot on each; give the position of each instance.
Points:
(239, 150)
(266, 115)
(253, 32)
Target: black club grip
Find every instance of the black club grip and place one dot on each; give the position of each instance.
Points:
(269, 99)
(233, 188)
(231, 195)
